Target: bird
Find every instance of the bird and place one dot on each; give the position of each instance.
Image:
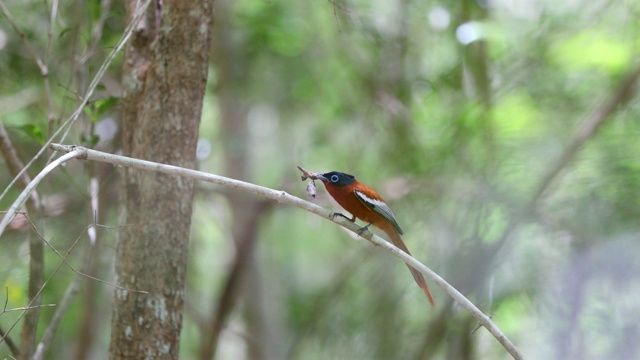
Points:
(366, 204)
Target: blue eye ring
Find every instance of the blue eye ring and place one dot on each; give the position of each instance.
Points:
(334, 178)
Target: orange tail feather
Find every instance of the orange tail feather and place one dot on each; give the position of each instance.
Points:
(417, 276)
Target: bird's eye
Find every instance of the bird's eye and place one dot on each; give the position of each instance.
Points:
(334, 178)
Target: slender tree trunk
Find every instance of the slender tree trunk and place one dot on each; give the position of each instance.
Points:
(164, 75)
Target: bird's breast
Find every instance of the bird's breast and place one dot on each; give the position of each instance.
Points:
(346, 197)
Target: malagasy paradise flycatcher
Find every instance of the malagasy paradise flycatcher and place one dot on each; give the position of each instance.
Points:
(367, 205)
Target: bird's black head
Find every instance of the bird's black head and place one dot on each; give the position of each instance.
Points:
(338, 178)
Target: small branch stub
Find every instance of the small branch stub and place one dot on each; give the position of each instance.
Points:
(311, 187)
(308, 174)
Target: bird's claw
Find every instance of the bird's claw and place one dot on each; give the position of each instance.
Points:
(336, 214)
(363, 229)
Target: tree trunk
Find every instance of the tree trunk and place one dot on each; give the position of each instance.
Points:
(164, 74)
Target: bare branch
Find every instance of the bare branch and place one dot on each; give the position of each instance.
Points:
(31, 187)
(284, 198)
(69, 294)
(14, 163)
(98, 27)
(42, 64)
(68, 297)
(92, 241)
(12, 346)
(43, 68)
(587, 129)
(37, 295)
(335, 5)
(94, 83)
(26, 308)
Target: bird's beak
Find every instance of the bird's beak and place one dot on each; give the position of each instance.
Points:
(321, 177)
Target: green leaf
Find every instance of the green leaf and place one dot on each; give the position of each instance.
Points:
(35, 132)
(90, 112)
(103, 105)
(98, 108)
(90, 141)
(64, 32)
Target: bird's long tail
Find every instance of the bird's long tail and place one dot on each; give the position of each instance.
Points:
(397, 241)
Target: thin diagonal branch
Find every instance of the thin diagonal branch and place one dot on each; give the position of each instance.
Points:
(37, 295)
(91, 233)
(14, 164)
(42, 64)
(43, 68)
(587, 129)
(68, 297)
(65, 303)
(12, 346)
(94, 83)
(284, 198)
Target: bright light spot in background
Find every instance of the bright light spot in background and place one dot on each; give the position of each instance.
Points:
(203, 149)
(3, 39)
(469, 32)
(439, 18)
(106, 128)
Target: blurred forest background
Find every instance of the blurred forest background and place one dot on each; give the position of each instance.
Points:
(504, 134)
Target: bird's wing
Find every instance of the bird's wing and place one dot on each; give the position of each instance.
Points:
(380, 207)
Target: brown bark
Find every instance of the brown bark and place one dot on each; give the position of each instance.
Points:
(164, 75)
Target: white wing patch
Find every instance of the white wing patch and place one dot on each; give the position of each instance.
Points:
(380, 207)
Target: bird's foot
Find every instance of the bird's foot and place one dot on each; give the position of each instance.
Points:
(336, 214)
(363, 229)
